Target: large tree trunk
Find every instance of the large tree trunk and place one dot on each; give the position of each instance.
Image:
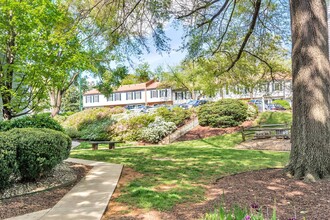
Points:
(55, 101)
(310, 153)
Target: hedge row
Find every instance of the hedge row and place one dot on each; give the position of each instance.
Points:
(107, 123)
(34, 121)
(31, 153)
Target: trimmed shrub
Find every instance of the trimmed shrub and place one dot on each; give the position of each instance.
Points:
(34, 121)
(129, 128)
(92, 124)
(8, 164)
(223, 113)
(283, 103)
(38, 150)
(89, 115)
(177, 115)
(72, 132)
(157, 130)
(96, 130)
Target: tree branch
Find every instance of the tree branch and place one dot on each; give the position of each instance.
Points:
(248, 35)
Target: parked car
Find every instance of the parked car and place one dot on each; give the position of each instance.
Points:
(193, 103)
(140, 109)
(274, 107)
(255, 101)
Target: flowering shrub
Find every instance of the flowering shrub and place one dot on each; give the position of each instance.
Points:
(252, 112)
(129, 127)
(157, 130)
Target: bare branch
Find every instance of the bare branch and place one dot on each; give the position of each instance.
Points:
(248, 35)
(198, 9)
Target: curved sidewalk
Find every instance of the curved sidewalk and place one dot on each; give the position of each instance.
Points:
(88, 199)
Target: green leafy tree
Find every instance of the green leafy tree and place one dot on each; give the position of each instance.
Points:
(24, 30)
(187, 77)
(71, 99)
(141, 74)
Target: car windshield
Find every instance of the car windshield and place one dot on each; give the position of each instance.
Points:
(192, 102)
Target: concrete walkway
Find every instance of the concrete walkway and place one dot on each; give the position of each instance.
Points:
(88, 199)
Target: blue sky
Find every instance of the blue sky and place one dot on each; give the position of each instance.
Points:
(172, 58)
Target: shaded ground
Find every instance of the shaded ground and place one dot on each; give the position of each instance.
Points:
(203, 132)
(263, 187)
(266, 144)
(39, 201)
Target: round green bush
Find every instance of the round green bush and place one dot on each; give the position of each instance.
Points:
(34, 121)
(39, 150)
(177, 115)
(7, 160)
(223, 113)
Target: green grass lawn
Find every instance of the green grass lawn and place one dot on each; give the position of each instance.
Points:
(275, 117)
(186, 166)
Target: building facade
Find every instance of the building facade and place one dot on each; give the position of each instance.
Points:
(151, 93)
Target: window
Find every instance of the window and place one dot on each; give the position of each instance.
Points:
(96, 98)
(92, 98)
(129, 96)
(110, 98)
(88, 99)
(278, 86)
(187, 95)
(154, 93)
(138, 95)
(262, 87)
(117, 96)
(245, 90)
(114, 97)
(163, 93)
(178, 95)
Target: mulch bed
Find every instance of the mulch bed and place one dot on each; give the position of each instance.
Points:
(203, 132)
(39, 201)
(266, 188)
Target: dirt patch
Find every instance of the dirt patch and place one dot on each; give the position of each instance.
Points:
(203, 132)
(42, 200)
(266, 144)
(165, 187)
(264, 188)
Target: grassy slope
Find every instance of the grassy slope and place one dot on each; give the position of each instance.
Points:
(275, 117)
(185, 165)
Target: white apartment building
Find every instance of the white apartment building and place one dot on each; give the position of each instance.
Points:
(150, 93)
(147, 93)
